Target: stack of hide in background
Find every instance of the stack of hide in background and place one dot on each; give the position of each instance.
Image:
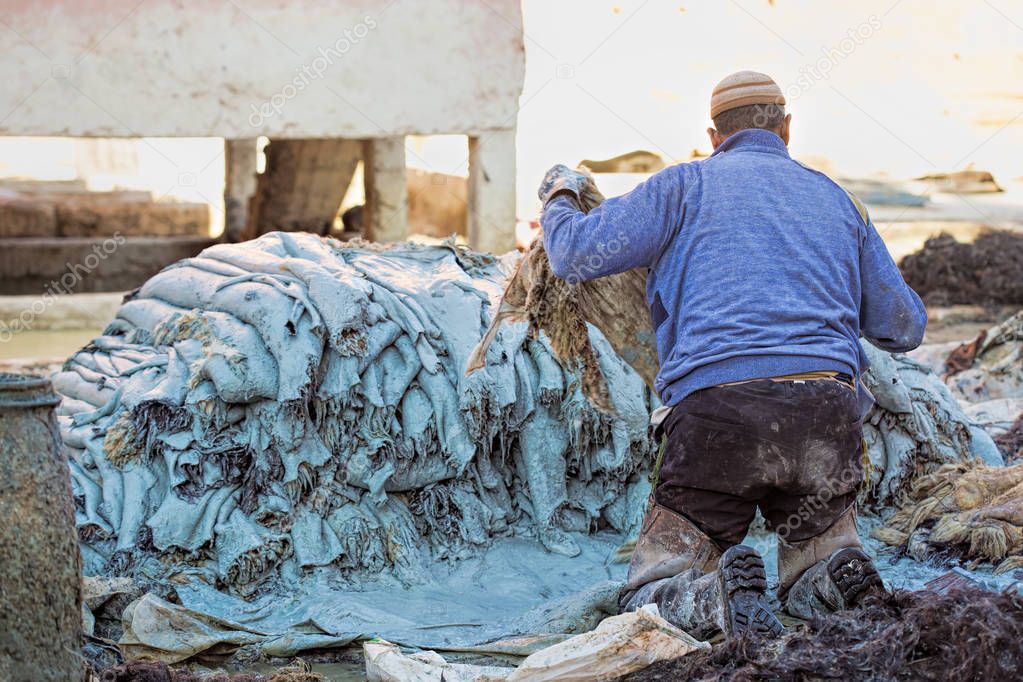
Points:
(296, 402)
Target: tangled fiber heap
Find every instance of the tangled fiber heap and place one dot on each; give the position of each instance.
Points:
(962, 511)
(296, 402)
(986, 271)
(967, 634)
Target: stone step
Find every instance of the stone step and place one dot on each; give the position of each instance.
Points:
(38, 266)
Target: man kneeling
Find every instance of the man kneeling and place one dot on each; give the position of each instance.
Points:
(763, 275)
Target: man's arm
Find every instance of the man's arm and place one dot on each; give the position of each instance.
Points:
(892, 316)
(622, 233)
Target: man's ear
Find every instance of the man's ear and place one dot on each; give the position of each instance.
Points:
(716, 138)
(783, 132)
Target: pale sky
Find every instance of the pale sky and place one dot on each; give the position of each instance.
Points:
(927, 85)
(922, 86)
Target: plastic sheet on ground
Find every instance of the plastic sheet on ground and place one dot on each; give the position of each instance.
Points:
(515, 590)
(618, 646)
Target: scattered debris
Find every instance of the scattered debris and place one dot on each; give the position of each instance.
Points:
(966, 634)
(953, 580)
(985, 271)
(962, 356)
(991, 366)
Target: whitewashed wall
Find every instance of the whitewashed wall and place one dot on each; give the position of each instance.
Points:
(243, 68)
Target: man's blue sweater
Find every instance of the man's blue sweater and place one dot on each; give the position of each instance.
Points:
(759, 267)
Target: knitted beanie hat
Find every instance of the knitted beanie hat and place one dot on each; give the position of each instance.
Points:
(743, 88)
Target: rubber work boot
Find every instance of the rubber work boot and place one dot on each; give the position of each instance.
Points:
(708, 591)
(743, 584)
(668, 545)
(828, 572)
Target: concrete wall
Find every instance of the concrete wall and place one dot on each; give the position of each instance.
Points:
(117, 68)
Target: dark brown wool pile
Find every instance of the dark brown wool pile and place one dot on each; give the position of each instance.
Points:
(984, 272)
(967, 634)
(1011, 442)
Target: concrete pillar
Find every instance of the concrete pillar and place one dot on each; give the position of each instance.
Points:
(41, 595)
(492, 191)
(239, 184)
(385, 217)
(303, 185)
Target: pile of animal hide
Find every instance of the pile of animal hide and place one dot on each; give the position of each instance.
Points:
(915, 426)
(563, 308)
(985, 271)
(968, 511)
(295, 402)
(967, 634)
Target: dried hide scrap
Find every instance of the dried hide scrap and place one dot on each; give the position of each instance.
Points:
(297, 403)
(561, 308)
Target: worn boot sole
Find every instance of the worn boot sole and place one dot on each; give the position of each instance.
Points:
(743, 584)
(853, 573)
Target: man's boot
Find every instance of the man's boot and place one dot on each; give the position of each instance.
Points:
(828, 572)
(694, 585)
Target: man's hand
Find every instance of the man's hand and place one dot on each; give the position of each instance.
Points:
(561, 179)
